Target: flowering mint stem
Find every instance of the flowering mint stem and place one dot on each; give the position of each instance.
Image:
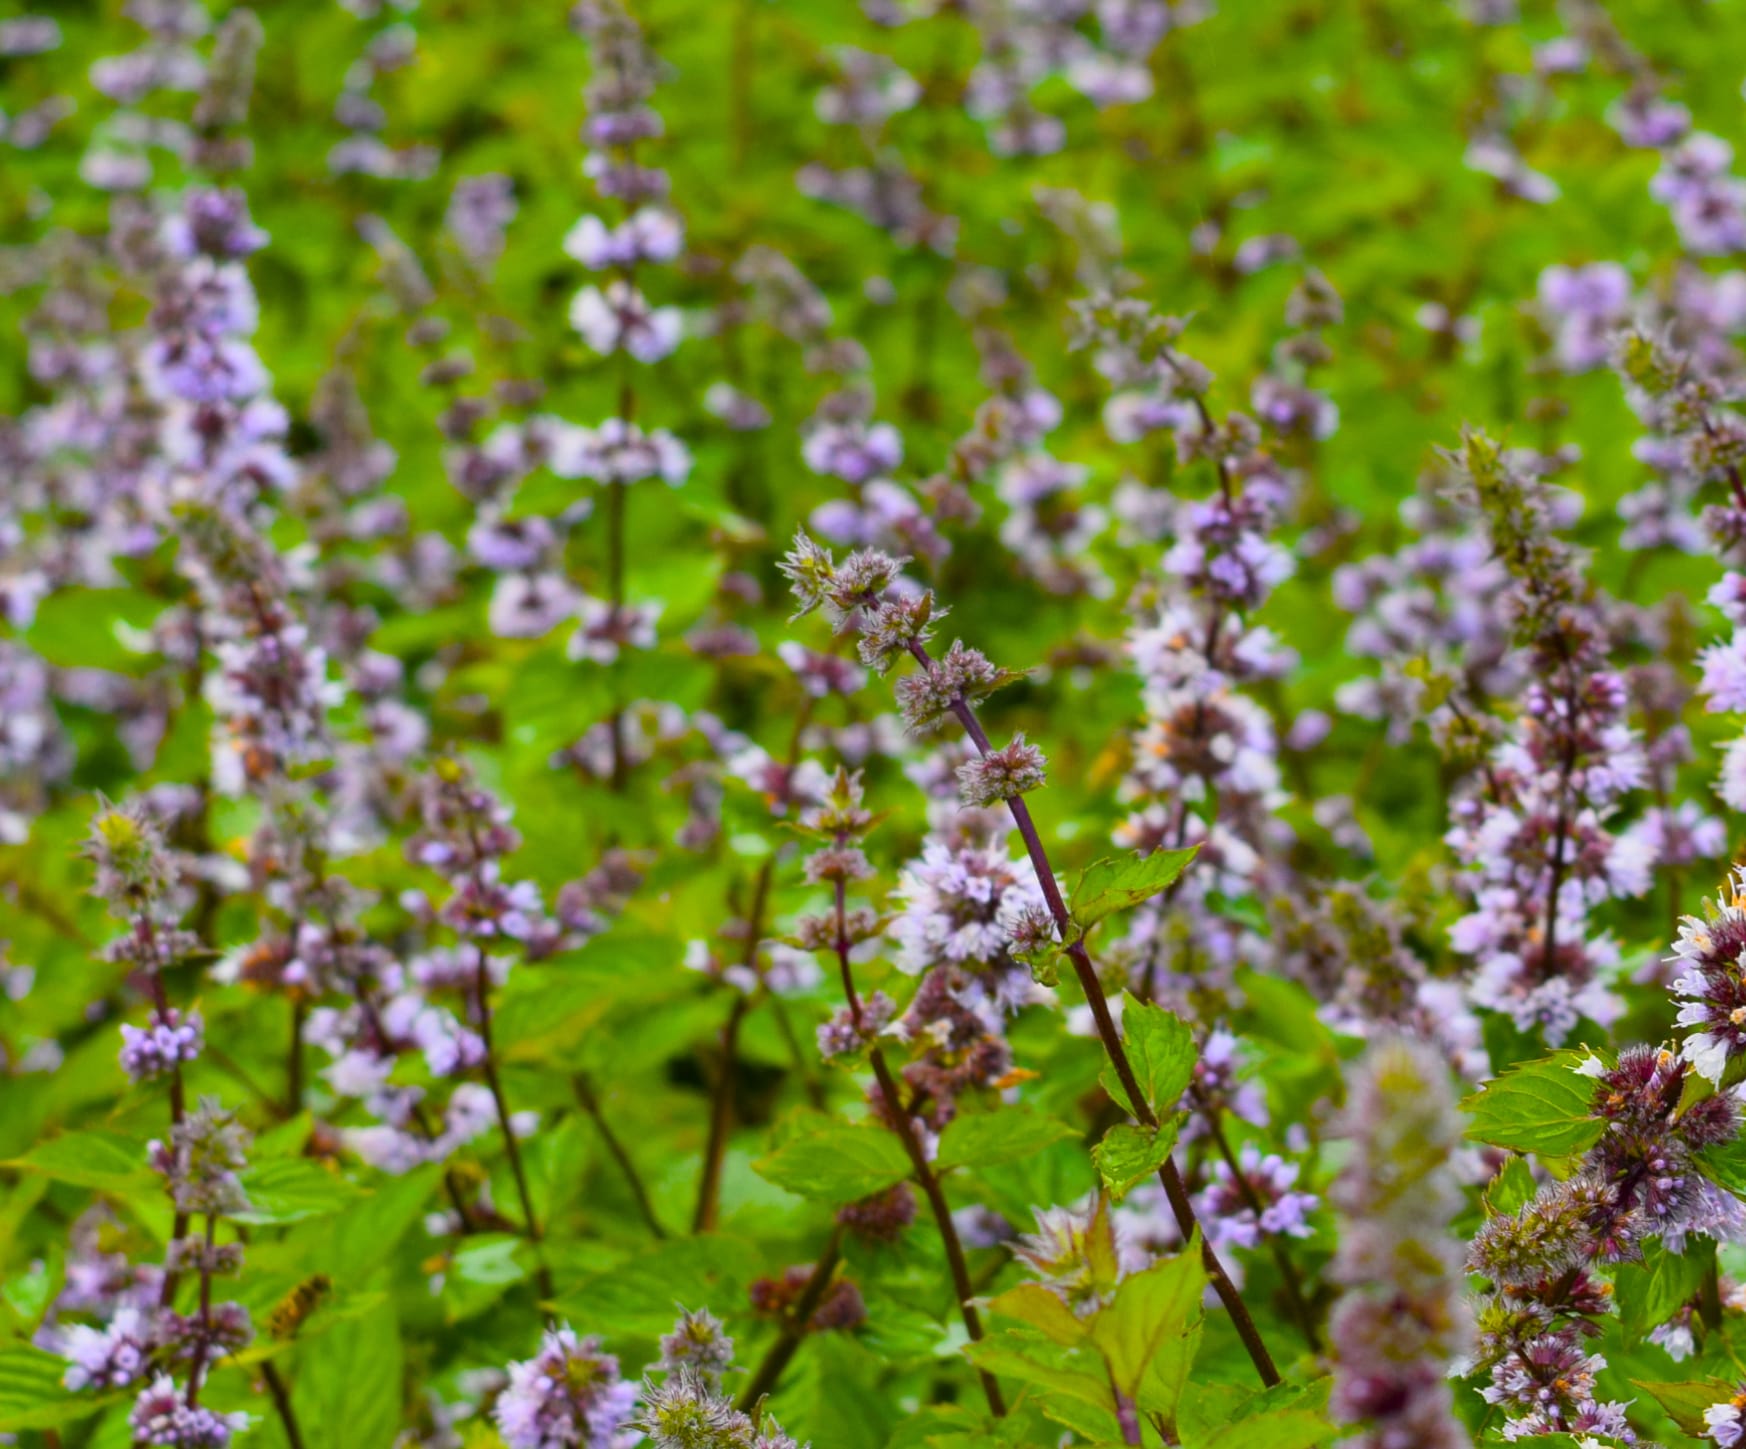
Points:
(161, 1000)
(794, 1324)
(1168, 1174)
(615, 594)
(197, 1374)
(923, 1169)
(586, 1095)
(531, 1223)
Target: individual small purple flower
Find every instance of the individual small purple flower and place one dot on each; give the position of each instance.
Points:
(650, 234)
(603, 630)
(1584, 306)
(1550, 1369)
(821, 675)
(213, 223)
(29, 35)
(167, 1039)
(620, 452)
(853, 451)
(485, 908)
(526, 606)
(507, 544)
(568, 1396)
(619, 318)
(1724, 682)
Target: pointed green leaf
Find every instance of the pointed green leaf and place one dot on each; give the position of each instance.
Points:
(1651, 1292)
(1034, 1304)
(31, 1394)
(290, 1189)
(1543, 1107)
(836, 1162)
(1113, 885)
(1131, 1153)
(106, 1161)
(1281, 1429)
(1149, 1331)
(1161, 1050)
(987, 1139)
(1686, 1401)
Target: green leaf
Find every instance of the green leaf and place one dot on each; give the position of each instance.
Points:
(290, 1189)
(987, 1139)
(1130, 1153)
(349, 1383)
(1113, 885)
(637, 1294)
(1161, 1050)
(1210, 1409)
(94, 628)
(836, 1162)
(1725, 1163)
(359, 1241)
(1005, 1357)
(1651, 1292)
(31, 1395)
(106, 1161)
(1543, 1107)
(1513, 1188)
(483, 1268)
(1034, 1304)
(1686, 1401)
(1149, 1331)
(1281, 1429)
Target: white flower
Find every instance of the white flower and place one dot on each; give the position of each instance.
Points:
(1707, 1054)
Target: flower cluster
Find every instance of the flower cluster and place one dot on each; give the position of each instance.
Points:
(1532, 829)
(1543, 1261)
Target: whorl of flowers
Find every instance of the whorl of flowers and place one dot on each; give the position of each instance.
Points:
(567, 1396)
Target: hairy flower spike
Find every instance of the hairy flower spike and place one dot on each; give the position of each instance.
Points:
(134, 866)
(961, 676)
(1401, 1320)
(1002, 774)
(889, 632)
(811, 574)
